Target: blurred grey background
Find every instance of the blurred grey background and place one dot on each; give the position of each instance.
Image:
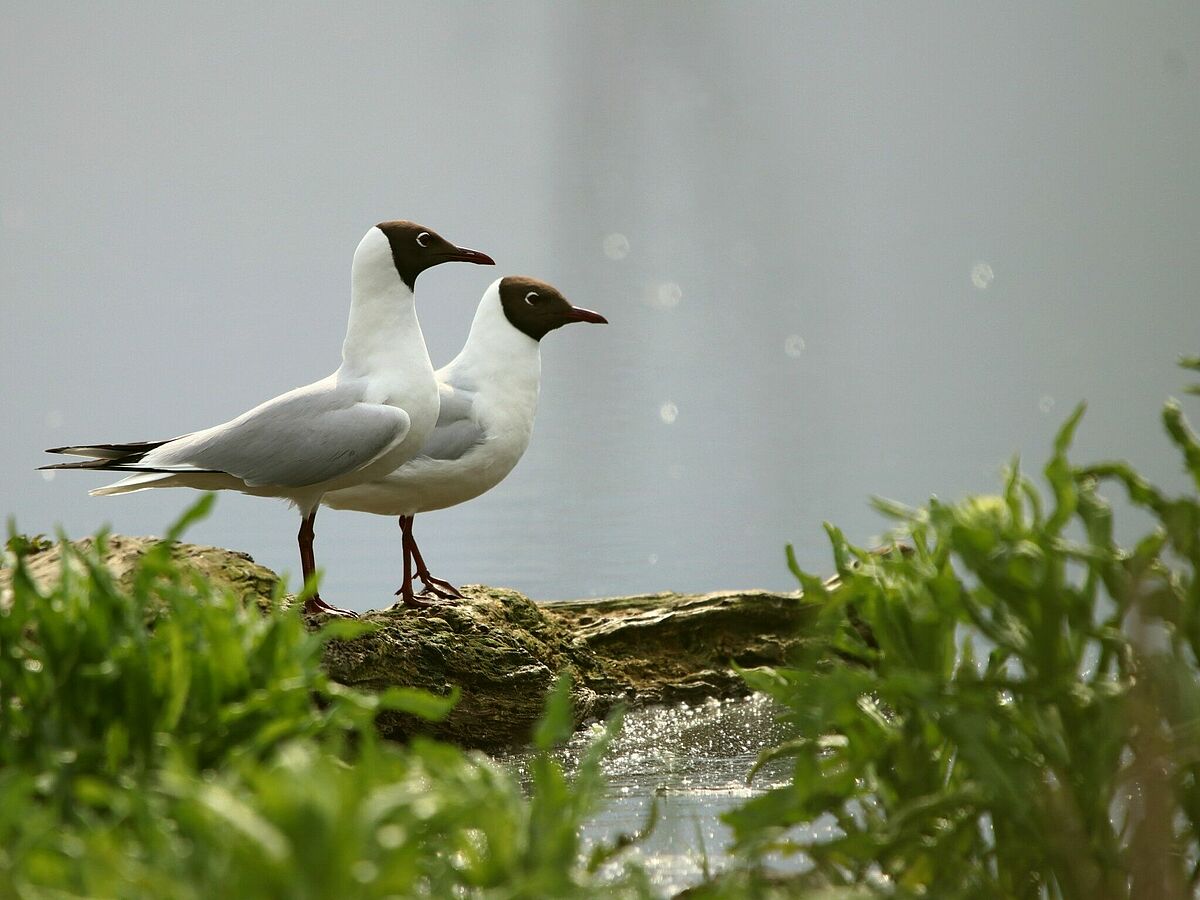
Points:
(846, 250)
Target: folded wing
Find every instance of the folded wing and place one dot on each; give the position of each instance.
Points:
(306, 436)
(457, 430)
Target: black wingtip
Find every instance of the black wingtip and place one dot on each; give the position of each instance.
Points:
(83, 464)
(130, 452)
(116, 465)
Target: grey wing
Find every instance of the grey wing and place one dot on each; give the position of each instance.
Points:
(456, 431)
(306, 436)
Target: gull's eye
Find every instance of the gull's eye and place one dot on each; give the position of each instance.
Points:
(423, 238)
(532, 297)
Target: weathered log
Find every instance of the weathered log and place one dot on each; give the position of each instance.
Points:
(504, 651)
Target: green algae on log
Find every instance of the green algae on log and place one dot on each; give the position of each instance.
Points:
(224, 569)
(504, 651)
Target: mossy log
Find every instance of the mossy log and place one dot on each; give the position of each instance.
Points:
(504, 651)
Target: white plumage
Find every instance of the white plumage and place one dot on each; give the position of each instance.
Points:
(370, 416)
(489, 395)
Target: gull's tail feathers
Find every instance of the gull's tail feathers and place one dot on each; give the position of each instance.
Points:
(131, 452)
(128, 458)
(140, 482)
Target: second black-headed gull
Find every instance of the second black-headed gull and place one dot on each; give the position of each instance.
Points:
(489, 396)
(371, 415)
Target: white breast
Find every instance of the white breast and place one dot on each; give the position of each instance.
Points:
(423, 484)
(490, 392)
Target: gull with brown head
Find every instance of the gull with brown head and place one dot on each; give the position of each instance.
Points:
(489, 396)
(369, 417)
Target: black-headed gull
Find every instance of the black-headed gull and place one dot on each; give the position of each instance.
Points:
(489, 396)
(371, 415)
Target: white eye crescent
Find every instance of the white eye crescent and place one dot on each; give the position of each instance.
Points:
(423, 238)
(531, 298)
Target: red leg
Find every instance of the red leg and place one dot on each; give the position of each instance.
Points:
(443, 589)
(314, 605)
(406, 595)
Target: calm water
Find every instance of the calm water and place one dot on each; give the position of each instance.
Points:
(845, 251)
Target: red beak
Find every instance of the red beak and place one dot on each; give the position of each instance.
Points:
(462, 254)
(578, 314)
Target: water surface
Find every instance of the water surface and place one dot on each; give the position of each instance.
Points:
(693, 760)
(844, 251)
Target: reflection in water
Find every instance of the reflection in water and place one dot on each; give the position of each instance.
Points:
(695, 760)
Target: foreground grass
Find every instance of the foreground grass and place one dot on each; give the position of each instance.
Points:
(204, 753)
(1007, 704)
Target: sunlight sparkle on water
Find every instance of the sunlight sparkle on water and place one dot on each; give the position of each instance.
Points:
(1046, 403)
(668, 412)
(794, 345)
(668, 295)
(693, 759)
(616, 246)
(982, 276)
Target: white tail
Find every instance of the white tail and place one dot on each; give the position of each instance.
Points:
(140, 482)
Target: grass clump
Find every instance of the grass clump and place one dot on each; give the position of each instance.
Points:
(87, 689)
(1005, 704)
(167, 740)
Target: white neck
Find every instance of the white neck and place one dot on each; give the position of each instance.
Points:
(496, 353)
(383, 334)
